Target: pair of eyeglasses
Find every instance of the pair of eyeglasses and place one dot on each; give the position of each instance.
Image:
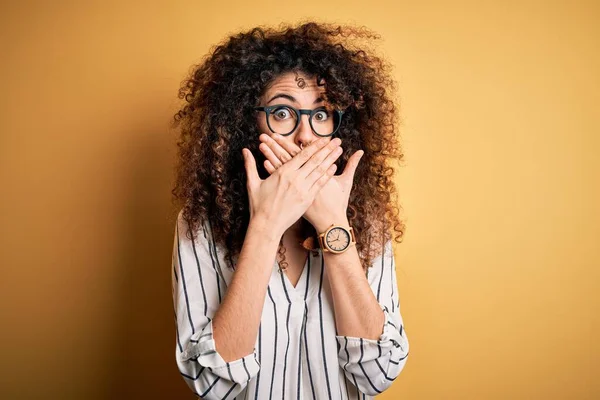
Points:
(283, 119)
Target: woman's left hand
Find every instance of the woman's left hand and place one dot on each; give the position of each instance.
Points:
(331, 202)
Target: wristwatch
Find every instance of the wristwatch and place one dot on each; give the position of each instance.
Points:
(337, 239)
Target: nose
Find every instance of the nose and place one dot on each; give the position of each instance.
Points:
(304, 133)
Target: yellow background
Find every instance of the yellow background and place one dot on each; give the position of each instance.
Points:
(499, 269)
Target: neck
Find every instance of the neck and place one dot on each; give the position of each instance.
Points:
(300, 234)
(295, 230)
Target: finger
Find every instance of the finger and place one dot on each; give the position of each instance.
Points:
(314, 189)
(291, 148)
(301, 158)
(251, 173)
(351, 166)
(266, 150)
(280, 152)
(322, 168)
(269, 167)
(318, 158)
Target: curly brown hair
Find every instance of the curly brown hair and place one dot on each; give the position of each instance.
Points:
(217, 120)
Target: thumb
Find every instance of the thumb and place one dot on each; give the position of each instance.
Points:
(250, 166)
(351, 166)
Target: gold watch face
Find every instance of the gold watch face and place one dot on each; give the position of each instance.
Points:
(338, 239)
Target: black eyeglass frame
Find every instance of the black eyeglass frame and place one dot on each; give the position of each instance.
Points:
(299, 112)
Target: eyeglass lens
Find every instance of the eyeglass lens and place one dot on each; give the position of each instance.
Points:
(283, 120)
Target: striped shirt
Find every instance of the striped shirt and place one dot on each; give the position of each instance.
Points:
(298, 353)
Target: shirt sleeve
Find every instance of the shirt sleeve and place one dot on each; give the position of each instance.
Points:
(372, 365)
(196, 287)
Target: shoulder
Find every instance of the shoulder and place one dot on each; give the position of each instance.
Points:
(202, 234)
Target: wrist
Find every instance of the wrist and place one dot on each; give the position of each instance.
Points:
(323, 225)
(265, 227)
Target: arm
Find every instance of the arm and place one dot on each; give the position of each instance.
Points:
(215, 339)
(372, 343)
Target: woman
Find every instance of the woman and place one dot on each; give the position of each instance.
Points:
(284, 279)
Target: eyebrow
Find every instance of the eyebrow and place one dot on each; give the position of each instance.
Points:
(291, 98)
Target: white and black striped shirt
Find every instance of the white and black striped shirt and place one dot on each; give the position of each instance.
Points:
(298, 354)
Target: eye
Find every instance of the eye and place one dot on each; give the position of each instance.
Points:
(321, 115)
(281, 113)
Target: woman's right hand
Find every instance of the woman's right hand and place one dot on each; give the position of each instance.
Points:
(282, 198)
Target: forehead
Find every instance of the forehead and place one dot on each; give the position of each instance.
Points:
(298, 83)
